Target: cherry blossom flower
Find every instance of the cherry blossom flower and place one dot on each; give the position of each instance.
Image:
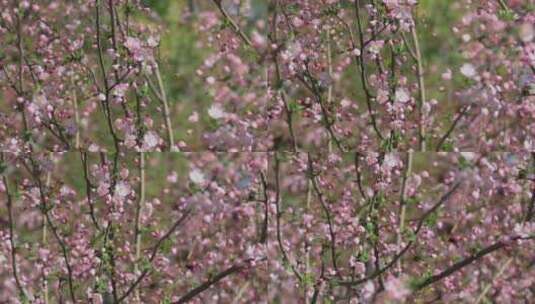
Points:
(150, 140)
(216, 112)
(196, 176)
(468, 70)
(396, 288)
(402, 95)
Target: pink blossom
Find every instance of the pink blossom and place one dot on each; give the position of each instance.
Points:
(396, 288)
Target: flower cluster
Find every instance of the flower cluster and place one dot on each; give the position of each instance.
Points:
(248, 151)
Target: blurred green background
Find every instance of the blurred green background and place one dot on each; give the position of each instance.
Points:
(181, 58)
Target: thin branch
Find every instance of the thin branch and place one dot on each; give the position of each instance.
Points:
(328, 215)
(419, 226)
(363, 74)
(108, 246)
(139, 209)
(214, 280)
(12, 244)
(45, 240)
(20, 78)
(154, 253)
(328, 123)
(359, 175)
(34, 171)
(76, 116)
(330, 86)
(162, 97)
(503, 5)
(263, 236)
(421, 88)
(106, 102)
(409, 47)
(403, 200)
(461, 114)
(531, 208)
(85, 168)
(496, 276)
(233, 23)
(467, 261)
(306, 240)
(167, 116)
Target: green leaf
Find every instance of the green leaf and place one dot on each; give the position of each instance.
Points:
(431, 220)
(506, 15)
(294, 106)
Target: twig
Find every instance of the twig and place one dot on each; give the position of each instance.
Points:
(467, 261)
(12, 244)
(166, 112)
(214, 280)
(76, 117)
(489, 285)
(20, 90)
(421, 88)
(233, 23)
(363, 74)
(34, 171)
(328, 215)
(328, 123)
(330, 86)
(359, 175)
(531, 208)
(139, 207)
(263, 236)
(45, 241)
(154, 253)
(106, 102)
(409, 47)
(461, 114)
(403, 201)
(83, 157)
(419, 226)
(503, 5)
(240, 293)
(307, 245)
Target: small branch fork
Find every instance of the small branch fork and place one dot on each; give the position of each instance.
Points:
(153, 254)
(419, 226)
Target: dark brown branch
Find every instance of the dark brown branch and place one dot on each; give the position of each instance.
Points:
(316, 92)
(34, 171)
(467, 261)
(531, 208)
(88, 186)
(214, 280)
(323, 203)
(359, 175)
(363, 74)
(106, 102)
(263, 236)
(461, 114)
